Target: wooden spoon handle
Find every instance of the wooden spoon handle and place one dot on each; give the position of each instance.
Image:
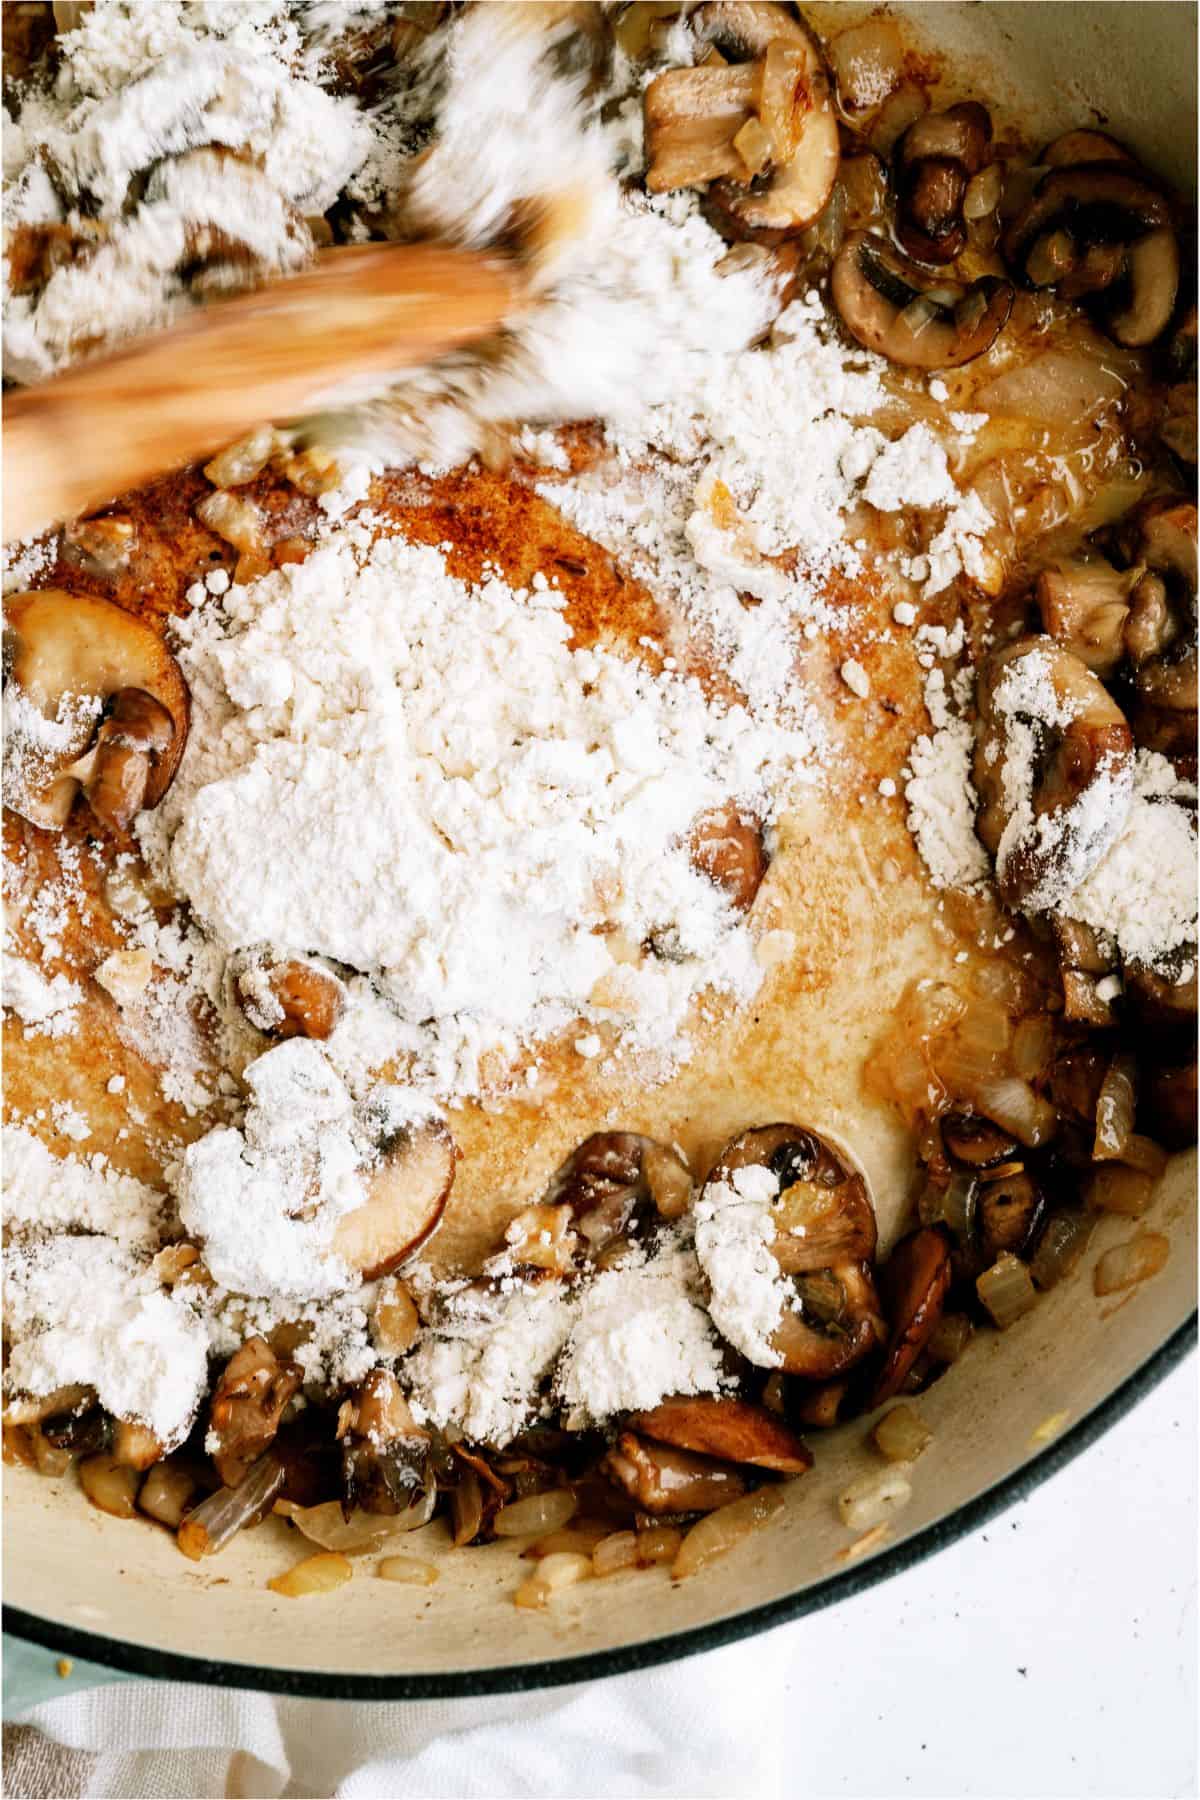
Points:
(79, 439)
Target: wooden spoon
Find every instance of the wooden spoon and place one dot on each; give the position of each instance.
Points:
(77, 440)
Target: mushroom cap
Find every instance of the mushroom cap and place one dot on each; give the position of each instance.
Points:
(786, 201)
(876, 289)
(1103, 203)
(62, 648)
(408, 1194)
(735, 1430)
(960, 134)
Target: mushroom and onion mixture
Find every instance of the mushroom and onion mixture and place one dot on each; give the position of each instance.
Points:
(1044, 1089)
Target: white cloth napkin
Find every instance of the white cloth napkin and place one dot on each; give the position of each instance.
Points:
(707, 1726)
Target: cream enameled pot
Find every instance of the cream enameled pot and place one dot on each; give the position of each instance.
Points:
(1014, 1408)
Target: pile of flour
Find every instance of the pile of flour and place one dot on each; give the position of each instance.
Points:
(427, 784)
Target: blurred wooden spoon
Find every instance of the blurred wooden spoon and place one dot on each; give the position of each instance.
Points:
(79, 439)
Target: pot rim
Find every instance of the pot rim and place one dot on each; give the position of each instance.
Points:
(173, 1665)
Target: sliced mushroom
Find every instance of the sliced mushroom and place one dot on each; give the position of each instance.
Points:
(408, 1191)
(734, 1430)
(617, 1182)
(935, 159)
(729, 850)
(886, 303)
(1053, 791)
(976, 1142)
(789, 144)
(661, 1479)
(1160, 538)
(1104, 228)
(289, 998)
(1178, 428)
(1009, 1211)
(915, 1282)
(1085, 606)
(385, 1454)
(823, 1241)
(102, 708)
(247, 1405)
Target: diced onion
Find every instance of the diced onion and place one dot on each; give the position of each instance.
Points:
(1007, 1290)
(536, 1514)
(319, 1574)
(719, 1531)
(1032, 1045)
(236, 520)
(211, 1525)
(165, 1493)
(409, 1570)
(1144, 1154)
(875, 1497)
(552, 1574)
(1061, 1246)
(240, 462)
(867, 61)
(1115, 1110)
(1126, 1265)
(951, 1335)
(1059, 387)
(1014, 1105)
(983, 192)
(901, 1435)
(582, 1536)
(1114, 1188)
(615, 1553)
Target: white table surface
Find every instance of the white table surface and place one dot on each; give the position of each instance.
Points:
(1051, 1653)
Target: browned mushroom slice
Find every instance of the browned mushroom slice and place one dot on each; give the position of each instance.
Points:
(734, 1430)
(292, 998)
(611, 1177)
(784, 203)
(101, 707)
(385, 1454)
(247, 1405)
(823, 1215)
(1053, 791)
(935, 159)
(976, 1142)
(1161, 1004)
(662, 1479)
(1010, 1211)
(821, 1236)
(407, 1196)
(915, 1281)
(1115, 215)
(729, 850)
(887, 303)
(846, 1324)
(1085, 606)
(1160, 538)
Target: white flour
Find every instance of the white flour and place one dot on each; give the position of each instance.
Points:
(734, 1232)
(475, 783)
(82, 1192)
(1072, 837)
(640, 1334)
(1143, 890)
(264, 1199)
(485, 1363)
(134, 132)
(45, 1004)
(84, 1309)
